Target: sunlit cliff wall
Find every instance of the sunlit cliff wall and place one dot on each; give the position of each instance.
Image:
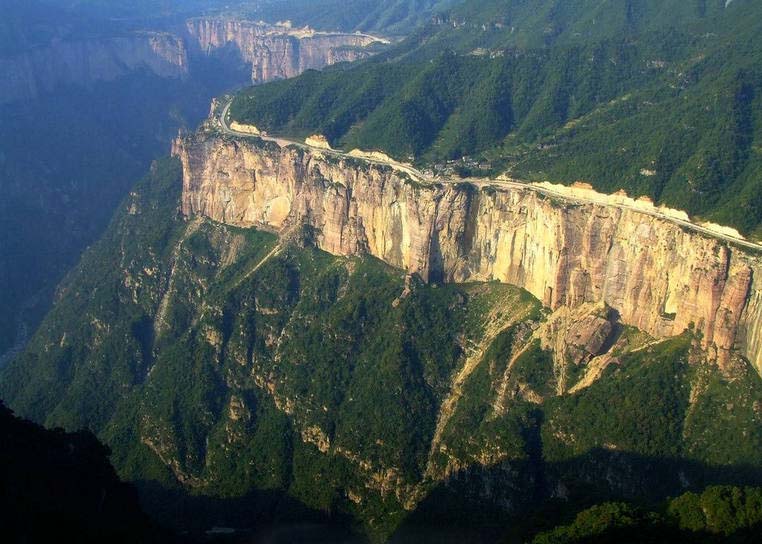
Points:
(659, 276)
(275, 51)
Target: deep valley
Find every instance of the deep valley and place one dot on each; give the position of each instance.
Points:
(403, 271)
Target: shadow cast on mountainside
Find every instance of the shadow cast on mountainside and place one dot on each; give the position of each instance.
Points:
(663, 534)
(510, 501)
(260, 516)
(514, 500)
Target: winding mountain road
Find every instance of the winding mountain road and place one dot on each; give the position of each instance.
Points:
(489, 182)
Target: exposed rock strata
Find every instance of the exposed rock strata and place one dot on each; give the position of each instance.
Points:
(577, 335)
(656, 275)
(275, 51)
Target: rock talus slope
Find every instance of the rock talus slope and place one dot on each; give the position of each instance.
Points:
(656, 275)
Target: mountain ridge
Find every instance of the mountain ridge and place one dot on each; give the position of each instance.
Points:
(565, 254)
(661, 111)
(328, 344)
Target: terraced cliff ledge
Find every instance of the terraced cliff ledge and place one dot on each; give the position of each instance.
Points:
(659, 275)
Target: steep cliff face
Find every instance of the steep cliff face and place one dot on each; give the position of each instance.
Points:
(62, 63)
(658, 276)
(231, 361)
(275, 51)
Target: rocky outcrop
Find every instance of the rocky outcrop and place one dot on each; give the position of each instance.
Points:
(577, 335)
(653, 273)
(62, 63)
(275, 51)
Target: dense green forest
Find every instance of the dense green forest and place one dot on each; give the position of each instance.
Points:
(657, 98)
(82, 17)
(241, 380)
(62, 180)
(718, 514)
(89, 503)
(388, 17)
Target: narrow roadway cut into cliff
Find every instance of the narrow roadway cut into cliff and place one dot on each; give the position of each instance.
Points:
(505, 183)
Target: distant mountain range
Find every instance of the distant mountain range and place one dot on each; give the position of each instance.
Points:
(337, 348)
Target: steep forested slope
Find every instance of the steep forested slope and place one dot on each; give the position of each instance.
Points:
(390, 17)
(242, 379)
(719, 514)
(658, 98)
(246, 380)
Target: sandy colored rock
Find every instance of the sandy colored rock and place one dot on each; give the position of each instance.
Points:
(318, 140)
(656, 275)
(576, 335)
(276, 51)
(246, 129)
(272, 51)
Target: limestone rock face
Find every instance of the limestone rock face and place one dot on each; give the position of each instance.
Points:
(40, 70)
(576, 335)
(656, 275)
(275, 51)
